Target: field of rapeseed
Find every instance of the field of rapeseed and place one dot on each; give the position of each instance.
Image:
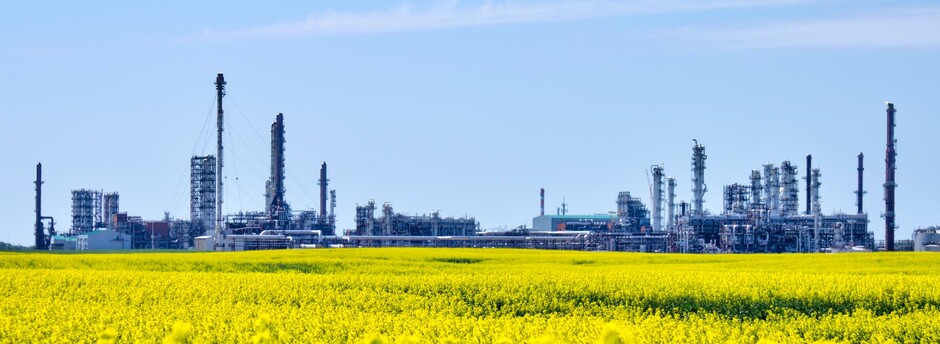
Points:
(467, 296)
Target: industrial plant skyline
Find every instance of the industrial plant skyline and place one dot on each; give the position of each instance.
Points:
(468, 118)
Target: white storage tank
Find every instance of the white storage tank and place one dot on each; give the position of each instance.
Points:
(927, 240)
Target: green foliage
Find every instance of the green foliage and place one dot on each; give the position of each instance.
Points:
(13, 247)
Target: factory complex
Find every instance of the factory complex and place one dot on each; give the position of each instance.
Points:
(762, 214)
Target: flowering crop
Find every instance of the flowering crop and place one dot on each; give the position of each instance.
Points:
(412, 295)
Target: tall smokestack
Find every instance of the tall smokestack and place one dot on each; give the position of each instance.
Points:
(809, 185)
(890, 184)
(860, 191)
(323, 187)
(220, 92)
(40, 236)
(542, 202)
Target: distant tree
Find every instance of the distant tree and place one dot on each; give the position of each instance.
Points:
(12, 247)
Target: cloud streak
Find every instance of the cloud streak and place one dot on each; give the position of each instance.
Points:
(452, 14)
(906, 28)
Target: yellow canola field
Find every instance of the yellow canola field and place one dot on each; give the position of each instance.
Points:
(412, 295)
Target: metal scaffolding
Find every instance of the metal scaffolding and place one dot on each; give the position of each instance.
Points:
(736, 199)
(202, 193)
(83, 211)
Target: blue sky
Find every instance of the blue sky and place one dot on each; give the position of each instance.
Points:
(466, 107)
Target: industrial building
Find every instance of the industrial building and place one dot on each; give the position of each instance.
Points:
(596, 223)
(105, 239)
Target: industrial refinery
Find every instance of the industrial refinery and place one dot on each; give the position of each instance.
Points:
(761, 214)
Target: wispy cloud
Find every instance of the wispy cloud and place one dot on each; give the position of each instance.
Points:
(900, 28)
(452, 14)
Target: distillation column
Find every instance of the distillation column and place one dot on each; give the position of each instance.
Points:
(657, 198)
(277, 166)
(770, 188)
(890, 184)
(813, 182)
(775, 190)
(333, 211)
(671, 204)
(809, 184)
(698, 179)
(790, 197)
(755, 187)
(814, 192)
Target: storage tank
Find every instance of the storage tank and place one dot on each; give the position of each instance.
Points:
(926, 240)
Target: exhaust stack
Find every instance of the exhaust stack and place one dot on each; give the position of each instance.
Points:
(323, 187)
(40, 235)
(860, 191)
(542, 202)
(220, 92)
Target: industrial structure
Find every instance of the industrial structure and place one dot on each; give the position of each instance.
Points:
(278, 225)
(396, 224)
(761, 214)
(92, 209)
